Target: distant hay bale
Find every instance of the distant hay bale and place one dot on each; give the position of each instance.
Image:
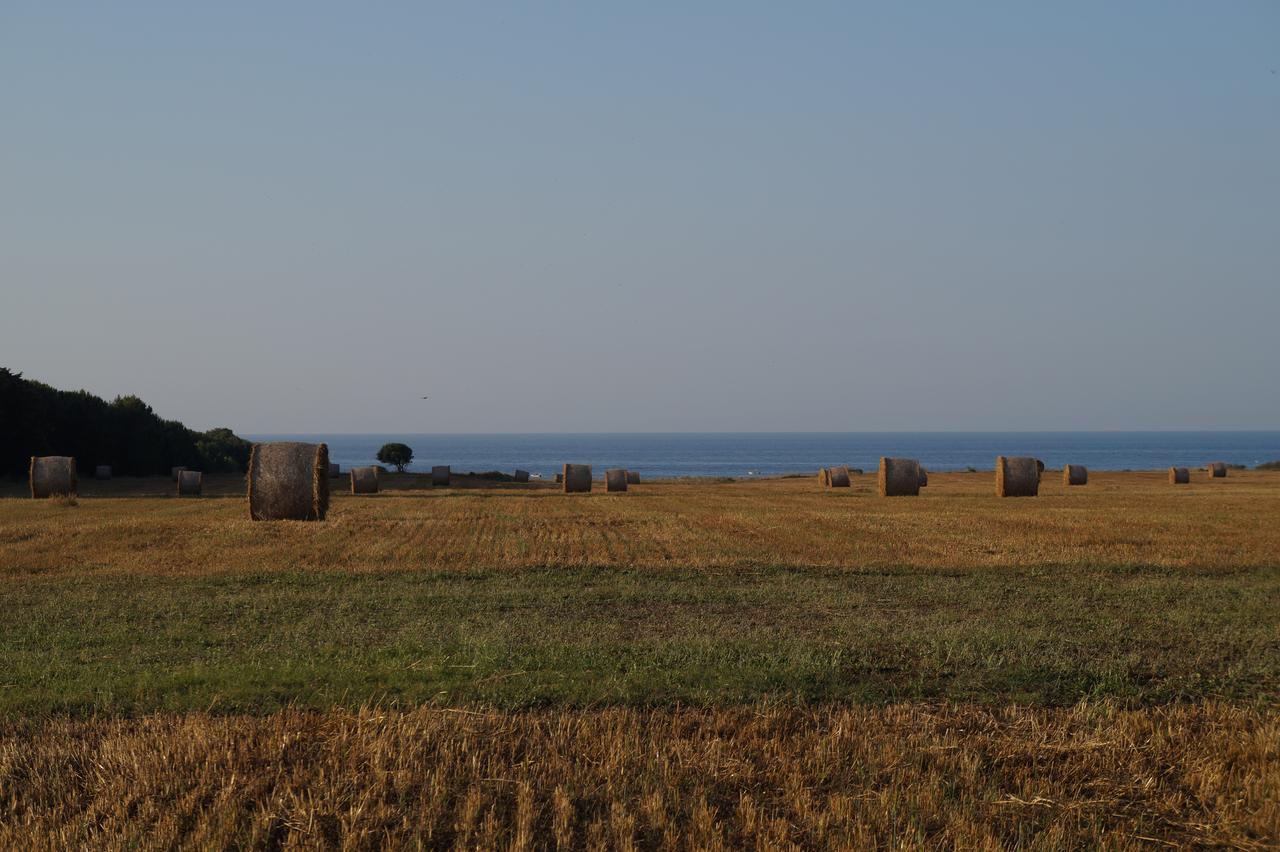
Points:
(335, 470)
(633, 478)
(1075, 474)
(824, 477)
(190, 483)
(924, 477)
(289, 481)
(1179, 476)
(1017, 476)
(559, 478)
(577, 478)
(50, 476)
(174, 471)
(615, 479)
(839, 477)
(899, 477)
(364, 480)
(1217, 470)
(440, 475)
(522, 476)
(102, 471)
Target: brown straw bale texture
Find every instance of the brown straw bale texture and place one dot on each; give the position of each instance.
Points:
(102, 471)
(1179, 476)
(440, 475)
(190, 483)
(174, 471)
(52, 475)
(577, 478)
(522, 476)
(899, 477)
(633, 478)
(335, 470)
(840, 477)
(1075, 474)
(1217, 470)
(364, 480)
(615, 479)
(289, 480)
(824, 477)
(924, 477)
(559, 478)
(1017, 476)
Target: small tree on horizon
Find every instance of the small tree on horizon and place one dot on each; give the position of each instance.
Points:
(396, 455)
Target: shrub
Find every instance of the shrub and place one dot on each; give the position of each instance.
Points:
(1271, 465)
(397, 455)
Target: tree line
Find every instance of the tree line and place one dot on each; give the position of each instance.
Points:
(39, 420)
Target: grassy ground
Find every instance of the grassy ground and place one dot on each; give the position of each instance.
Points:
(127, 616)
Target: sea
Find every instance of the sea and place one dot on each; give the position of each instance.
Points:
(747, 454)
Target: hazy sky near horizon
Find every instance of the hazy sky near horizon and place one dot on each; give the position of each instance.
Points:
(302, 217)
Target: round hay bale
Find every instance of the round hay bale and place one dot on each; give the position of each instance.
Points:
(633, 478)
(364, 480)
(102, 471)
(190, 483)
(924, 477)
(1075, 474)
(559, 478)
(522, 476)
(1179, 476)
(174, 471)
(335, 470)
(1217, 470)
(1017, 476)
(441, 475)
(577, 478)
(52, 475)
(824, 477)
(899, 477)
(615, 479)
(839, 477)
(289, 481)
(1039, 469)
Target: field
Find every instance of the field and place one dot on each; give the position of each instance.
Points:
(711, 661)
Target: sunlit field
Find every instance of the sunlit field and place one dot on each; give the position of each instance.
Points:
(715, 662)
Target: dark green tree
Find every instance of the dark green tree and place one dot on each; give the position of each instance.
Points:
(396, 455)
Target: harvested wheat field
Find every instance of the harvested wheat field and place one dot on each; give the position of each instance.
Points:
(701, 664)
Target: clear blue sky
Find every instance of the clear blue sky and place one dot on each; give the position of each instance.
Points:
(657, 216)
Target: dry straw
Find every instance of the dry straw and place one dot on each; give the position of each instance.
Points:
(1075, 474)
(174, 471)
(899, 477)
(633, 478)
(1217, 470)
(924, 477)
(522, 476)
(1039, 469)
(559, 478)
(51, 476)
(615, 479)
(839, 477)
(1179, 476)
(364, 480)
(1017, 476)
(190, 483)
(289, 481)
(824, 477)
(577, 478)
(440, 475)
(102, 471)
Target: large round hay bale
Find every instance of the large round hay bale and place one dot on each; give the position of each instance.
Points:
(289, 481)
(1017, 476)
(102, 471)
(899, 477)
(364, 480)
(1217, 470)
(441, 475)
(615, 479)
(52, 475)
(335, 470)
(824, 477)
(924, 477)
(1179, 476)
(522, 476)
(1075, 474)
(839, 477)
(577, 478)
(190, 483)
(633, 478)
(174, 471)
